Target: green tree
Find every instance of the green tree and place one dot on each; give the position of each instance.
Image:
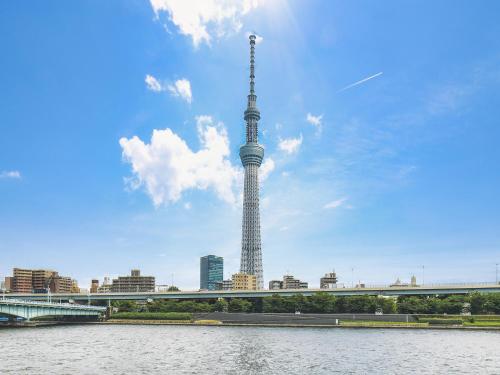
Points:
(220, 305)
(239, 305)
(173, 288)
(476, 301)
(412, 305)
(126, 306)
(274, 304)
(321, 303)
(388, 305)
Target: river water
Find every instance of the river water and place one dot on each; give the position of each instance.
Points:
(128, 349)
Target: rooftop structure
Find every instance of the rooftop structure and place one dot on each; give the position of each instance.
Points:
(328, 281)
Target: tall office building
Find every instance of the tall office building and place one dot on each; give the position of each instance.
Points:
(211, 272)
(251, 155)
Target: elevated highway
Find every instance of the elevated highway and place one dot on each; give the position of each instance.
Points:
(200, 295)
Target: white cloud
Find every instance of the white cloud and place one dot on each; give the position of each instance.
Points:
(203, 20)
(335, 204)
(315, 121)
(188, 205)
(153, 84)
(10, 174)
(166, 167)
(266, 168)
(181, 88)
(290, 145)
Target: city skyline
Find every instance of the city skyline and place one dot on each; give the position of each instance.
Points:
(121, 127)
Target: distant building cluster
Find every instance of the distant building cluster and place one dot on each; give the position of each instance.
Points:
(39, 281)
(399, 283)
(211, 279)
(125, 284)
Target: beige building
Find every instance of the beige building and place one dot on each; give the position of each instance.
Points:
(8, 283)
(94, 286)
(133, 283)
(243, 281)
(74, 287)
(22, 280)
(105, 287)
(42, 280)
(61, 284)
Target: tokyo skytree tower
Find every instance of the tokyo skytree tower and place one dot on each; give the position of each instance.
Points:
(251, 155)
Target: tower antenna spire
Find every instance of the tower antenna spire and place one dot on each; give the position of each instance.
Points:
(252, 38)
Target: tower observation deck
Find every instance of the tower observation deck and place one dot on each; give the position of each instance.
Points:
(251, 155)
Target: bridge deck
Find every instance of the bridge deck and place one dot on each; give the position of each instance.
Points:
(32, 309)
(382, 291)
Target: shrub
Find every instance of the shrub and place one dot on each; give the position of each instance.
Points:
(152, 315)
(432, 321)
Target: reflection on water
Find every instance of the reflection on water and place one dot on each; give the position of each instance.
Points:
(115, 349)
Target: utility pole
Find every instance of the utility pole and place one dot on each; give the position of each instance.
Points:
(496, 273)
(423, 275)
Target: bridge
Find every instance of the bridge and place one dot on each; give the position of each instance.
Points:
(432, 290)
(33, 309)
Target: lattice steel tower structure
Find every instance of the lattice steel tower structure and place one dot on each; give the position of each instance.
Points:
(251, 155)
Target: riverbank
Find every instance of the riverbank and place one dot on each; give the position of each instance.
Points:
(375, 325)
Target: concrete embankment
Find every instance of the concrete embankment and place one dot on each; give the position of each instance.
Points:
(302, 319)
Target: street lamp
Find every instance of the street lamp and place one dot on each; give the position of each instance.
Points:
(423, 275)
(496, 273)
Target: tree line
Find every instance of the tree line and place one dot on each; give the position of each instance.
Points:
(475, 303)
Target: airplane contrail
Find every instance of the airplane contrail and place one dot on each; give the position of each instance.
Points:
(360, 82)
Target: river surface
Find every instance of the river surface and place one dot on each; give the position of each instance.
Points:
(128, 349)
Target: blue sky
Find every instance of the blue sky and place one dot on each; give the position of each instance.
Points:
(398, 171)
